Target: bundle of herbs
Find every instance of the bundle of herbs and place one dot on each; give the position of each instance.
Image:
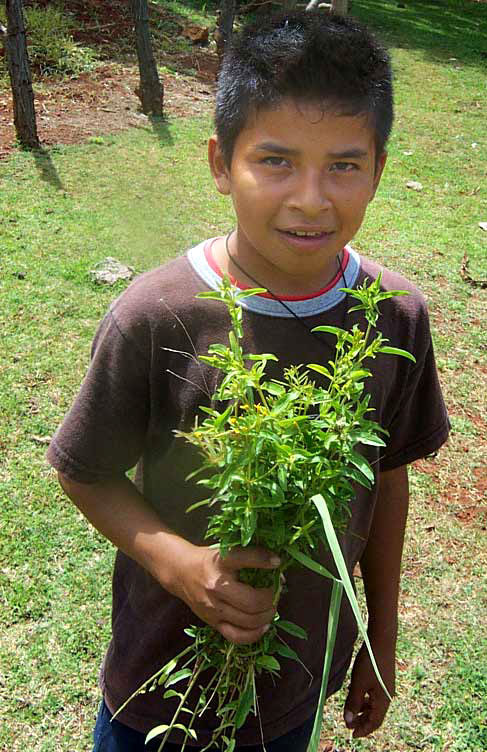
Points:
(280, 460)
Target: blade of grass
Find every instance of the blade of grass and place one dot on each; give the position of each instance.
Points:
(333, 618)
(335, 549)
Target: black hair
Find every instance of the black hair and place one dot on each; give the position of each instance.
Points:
(307, 56)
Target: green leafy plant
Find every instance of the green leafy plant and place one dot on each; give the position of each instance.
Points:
(280, 458)
(52, 49)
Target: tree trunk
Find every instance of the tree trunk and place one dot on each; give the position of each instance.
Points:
(224, 32)
(340, 7)
(20, 78)
(151, 90)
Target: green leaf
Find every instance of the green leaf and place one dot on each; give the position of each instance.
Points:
(202, 503)
(218, 348)
(363, 437)
(319, 369)
(292, 629)
(234, 345)
(277, 390)
(306, 561)
(261, 356)
(172, 693)
(330, 330)
(361, 373)
(208, 410)
(250, 291)
(282, 476)
(167, 669)
(287, 652)
(266, 501)
(352, 291)
(277, 494)
(246, 701)
(184, 673)
(391, 294)
(319, 502)
(356, 475)
(397, 351)
(268, 662)
(249, 524)
(211, 295)
(362, 464)
(223, 416)
(156, 731)
(361, 307)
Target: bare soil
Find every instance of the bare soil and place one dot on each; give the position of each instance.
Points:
(73, 110)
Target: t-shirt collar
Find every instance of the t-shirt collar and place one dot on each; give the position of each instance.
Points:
(202, 261)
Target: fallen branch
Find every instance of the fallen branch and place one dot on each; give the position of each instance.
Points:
(467, 277)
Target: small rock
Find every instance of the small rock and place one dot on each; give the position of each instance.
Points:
(414, 185)
(110, 270)
(483, 226)
(41, 439)
(408, 153)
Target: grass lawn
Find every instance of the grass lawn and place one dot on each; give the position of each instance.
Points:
(146, 195)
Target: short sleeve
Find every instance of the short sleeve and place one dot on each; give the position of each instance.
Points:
(103, 434)
(420, 422)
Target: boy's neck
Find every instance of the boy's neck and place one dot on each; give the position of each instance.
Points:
(232, 262)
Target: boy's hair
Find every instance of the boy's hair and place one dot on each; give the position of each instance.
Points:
(310, 57)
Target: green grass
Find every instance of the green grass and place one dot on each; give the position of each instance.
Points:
(144, 196)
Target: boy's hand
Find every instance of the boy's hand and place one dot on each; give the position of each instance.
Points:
(209, 585)
(367, 703)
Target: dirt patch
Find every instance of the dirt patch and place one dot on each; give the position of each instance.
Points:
(73, 111)
(468, 501)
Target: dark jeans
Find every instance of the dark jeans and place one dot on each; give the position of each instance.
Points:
(116, 737)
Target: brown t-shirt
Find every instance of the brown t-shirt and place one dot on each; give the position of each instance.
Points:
(140, 387)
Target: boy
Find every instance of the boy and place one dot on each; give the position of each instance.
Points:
(304, 110)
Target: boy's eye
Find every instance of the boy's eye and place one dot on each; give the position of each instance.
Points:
(275, 161)
(343, 166)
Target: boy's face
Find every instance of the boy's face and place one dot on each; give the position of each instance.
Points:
(297, 169)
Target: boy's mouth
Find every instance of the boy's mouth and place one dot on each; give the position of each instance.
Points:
(307, 238)
(320, 233)
(305, 234)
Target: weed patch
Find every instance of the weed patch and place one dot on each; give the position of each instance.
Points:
(51, 46)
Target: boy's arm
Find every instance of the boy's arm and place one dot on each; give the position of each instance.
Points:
(198, 575)
(367, 703)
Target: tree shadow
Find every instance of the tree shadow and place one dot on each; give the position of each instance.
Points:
(47, 169)
(160, 128)
(441, 28)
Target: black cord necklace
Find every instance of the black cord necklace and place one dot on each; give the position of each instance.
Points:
(275, 297)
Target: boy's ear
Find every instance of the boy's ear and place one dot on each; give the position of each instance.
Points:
(379, 169)
(218, 167)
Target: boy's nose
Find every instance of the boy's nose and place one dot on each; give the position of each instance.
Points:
(310, 195)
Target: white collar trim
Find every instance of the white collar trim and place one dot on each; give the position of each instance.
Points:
(271, 307)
